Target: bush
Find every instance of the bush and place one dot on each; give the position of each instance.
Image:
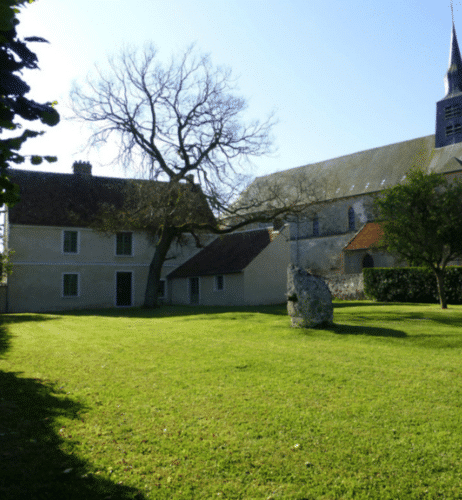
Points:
(411, 284)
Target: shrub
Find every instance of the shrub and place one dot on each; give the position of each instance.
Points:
(411, 284)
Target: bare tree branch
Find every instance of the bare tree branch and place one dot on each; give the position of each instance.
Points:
(182, 122)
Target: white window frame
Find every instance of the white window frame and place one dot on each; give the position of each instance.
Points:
(132, 295)
(62, 285)
(215, 283)
(78, 241)
(133, 244)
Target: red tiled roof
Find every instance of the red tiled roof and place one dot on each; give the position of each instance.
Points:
(230, 253)
(369, 235)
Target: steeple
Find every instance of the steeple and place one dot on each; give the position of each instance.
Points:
(449, 109)
(453, 79)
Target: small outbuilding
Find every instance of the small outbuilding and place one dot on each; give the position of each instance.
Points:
(364, 250)
(242, 268)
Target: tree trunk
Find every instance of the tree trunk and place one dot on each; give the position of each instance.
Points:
(155, 268)
(442, 293)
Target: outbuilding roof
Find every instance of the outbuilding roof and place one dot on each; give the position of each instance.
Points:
(367, 237)
(230, 253)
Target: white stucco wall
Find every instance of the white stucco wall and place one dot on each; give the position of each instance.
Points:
(231, 295)
(39, 263)
(265, 278)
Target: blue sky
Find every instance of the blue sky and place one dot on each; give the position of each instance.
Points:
(342, 76)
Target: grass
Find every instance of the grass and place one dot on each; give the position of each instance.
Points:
(184, 403)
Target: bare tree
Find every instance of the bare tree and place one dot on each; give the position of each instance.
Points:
(182, 122)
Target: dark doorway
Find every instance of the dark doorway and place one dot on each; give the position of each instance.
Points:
(194, 290)
(368, 261)
(124, 289)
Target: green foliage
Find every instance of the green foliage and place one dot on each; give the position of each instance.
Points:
(411, 284)
(421, 218)
(421, 221)
(15, 56)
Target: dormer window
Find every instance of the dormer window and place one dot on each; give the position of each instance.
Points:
(124, 244)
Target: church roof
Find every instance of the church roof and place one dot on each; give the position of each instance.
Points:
(230, 253)
(369, 171)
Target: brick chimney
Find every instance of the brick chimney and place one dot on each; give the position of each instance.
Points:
(82, 168)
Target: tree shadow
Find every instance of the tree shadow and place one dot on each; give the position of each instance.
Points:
(175, 311)
(32, 463)
(371, 331)
(357, 303)
(5, 339)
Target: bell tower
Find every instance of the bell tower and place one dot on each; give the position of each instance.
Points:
(449, 109)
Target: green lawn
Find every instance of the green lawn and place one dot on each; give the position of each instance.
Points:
(201, 403)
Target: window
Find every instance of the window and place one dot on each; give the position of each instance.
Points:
(453, 129)
(351, 219)
(219, 283)
(161, 289)
(124, 244)
(316, 226)
(70, 242)
(452, 111)
(70, 285)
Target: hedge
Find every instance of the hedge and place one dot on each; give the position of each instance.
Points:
(411, 284)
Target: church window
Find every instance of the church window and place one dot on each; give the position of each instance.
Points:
(452, 111)
(351, 219)
(316, 226)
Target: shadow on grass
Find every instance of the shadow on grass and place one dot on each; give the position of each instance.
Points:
(358, 303)
(5, 339)
(176, 311)
(371, 331)
(32, 463)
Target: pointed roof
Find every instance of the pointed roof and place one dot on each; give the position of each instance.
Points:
(453, 79)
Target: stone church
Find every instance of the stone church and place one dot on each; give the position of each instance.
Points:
(337, 234)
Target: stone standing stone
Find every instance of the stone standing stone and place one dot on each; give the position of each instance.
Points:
(309, 302)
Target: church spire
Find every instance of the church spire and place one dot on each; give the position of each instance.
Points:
(449, 109)
(453, 79)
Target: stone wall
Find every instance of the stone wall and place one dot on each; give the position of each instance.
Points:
(346, 286)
